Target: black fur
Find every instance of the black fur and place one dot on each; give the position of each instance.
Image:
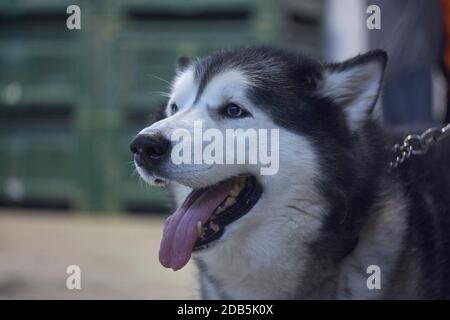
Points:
(183, 63)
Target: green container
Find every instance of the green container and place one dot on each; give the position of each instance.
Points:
(38, 73)
(38, 163)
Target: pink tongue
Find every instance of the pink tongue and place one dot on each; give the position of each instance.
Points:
(180, 230)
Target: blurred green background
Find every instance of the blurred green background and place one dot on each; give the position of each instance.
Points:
(71, 100)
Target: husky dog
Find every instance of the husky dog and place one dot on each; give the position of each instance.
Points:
(332, 218)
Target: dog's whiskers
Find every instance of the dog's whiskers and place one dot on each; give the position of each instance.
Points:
(303, 211)
(161, 93)
(159, 78)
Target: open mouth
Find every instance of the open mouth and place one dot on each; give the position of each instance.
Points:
(203, 217)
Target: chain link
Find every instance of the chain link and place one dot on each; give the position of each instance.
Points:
(415, 144)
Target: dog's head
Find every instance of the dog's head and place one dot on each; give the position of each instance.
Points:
(246, 130)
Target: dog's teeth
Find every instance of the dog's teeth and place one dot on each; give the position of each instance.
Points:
(229, 202)
(220, 209)
(215, 227)
(235, 191)
(199, 228)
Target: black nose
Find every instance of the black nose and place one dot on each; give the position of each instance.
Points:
(148, 149)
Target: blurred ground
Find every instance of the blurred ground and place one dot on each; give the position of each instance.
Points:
(118, 257)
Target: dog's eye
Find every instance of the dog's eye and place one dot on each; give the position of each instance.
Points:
(232, 110)
(173, 108)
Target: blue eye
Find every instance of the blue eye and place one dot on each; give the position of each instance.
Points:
(234, 111)
(173, 108)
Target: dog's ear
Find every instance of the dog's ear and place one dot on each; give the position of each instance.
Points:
(183, 63)
(355, 84)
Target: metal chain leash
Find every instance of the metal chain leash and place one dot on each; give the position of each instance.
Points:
(415, 144)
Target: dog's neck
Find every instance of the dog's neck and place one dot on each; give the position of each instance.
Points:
(300, 272)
